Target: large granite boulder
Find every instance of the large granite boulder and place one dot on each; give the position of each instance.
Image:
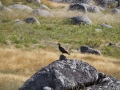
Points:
(20, 7)
(63, 74)
(80, 20)
(86, 49)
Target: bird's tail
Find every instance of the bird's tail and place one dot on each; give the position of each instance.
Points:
(68, 53)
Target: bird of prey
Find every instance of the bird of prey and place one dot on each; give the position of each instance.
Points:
(63, 50)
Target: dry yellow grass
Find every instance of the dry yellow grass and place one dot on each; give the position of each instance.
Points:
(53, 4)
(22, 62)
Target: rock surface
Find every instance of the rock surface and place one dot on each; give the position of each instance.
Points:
(62, 75)
(86, 49)
(80, 20)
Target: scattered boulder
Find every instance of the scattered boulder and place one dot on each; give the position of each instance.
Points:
(115, 11)
(78, 7)
(20, 7)
(43, 13)
(31, 20)
(62, 75)
(86, 49)
(105, 25)
(80, 20)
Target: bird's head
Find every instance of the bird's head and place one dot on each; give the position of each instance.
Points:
(58, 44)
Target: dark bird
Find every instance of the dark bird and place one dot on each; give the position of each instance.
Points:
(62, 49)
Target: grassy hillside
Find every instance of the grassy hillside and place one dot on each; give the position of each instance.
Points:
(25, 48)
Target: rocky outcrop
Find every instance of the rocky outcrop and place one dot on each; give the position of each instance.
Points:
(80, 20)
(86, 49)
(70, 74)
(63, 75)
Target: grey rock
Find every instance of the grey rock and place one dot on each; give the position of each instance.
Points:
(78, 7)
(105, 82)
(20, 7)
(31, 20)
(80, 20)
(62, 75)
(86, 49)
(115, 11)
(105, 25)
(0, 3)
(43, 13)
